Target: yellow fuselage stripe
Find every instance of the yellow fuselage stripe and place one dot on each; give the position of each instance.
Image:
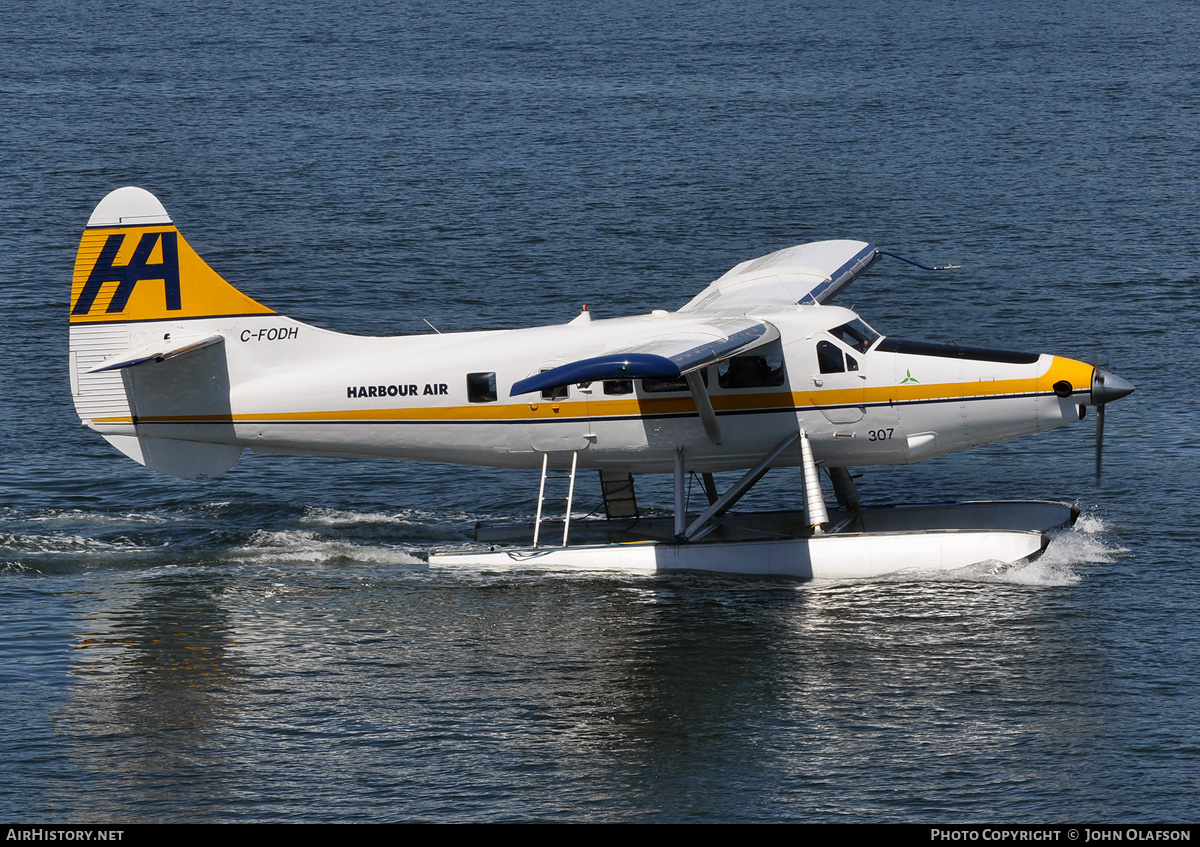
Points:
(1077, 373)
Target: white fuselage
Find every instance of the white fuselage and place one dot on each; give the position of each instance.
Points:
(277, 385)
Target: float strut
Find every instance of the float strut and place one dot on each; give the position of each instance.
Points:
(726, 501)
(844, 488)
(814, 500)
(680, 500)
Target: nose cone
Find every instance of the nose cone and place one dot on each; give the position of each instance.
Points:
(1106, 387)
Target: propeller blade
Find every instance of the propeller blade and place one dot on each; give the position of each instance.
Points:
(1105, 387)
(1098, 376)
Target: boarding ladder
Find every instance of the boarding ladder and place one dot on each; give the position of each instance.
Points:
(548, 475)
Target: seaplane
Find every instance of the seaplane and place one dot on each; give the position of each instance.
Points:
(181, 371)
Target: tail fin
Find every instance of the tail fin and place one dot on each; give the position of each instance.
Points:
(130, 246)
(140, 294)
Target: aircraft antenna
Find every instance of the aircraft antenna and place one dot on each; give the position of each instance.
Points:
(918, 264)
(431, 326)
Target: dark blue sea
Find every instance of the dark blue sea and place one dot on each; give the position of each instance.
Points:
(271, 646)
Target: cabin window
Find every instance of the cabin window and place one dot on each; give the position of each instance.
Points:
(830, 358)
(659, 386)
(856, 334)
(618, 386)
(481, 387)
(752, 370)
(558, 393)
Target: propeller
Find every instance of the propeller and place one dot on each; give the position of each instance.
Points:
(1105, 387)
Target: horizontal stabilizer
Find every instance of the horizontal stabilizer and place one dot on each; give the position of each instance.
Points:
(668, 356)
(159, 351)
(806, 273)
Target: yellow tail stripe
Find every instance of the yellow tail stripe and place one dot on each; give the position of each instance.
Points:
(146, 273)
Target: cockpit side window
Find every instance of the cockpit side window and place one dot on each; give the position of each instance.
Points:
(856, 334)
(830, 358)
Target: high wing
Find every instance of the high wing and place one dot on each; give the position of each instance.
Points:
(679, 348)
(812, 272)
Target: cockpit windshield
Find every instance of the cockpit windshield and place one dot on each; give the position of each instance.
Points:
(856, 334)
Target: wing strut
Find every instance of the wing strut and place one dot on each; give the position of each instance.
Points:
(712, 427)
